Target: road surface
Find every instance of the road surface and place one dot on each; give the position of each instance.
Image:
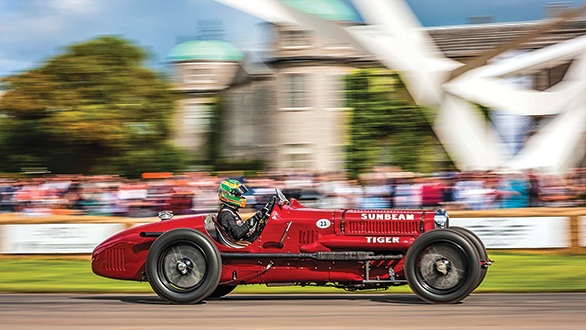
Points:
(340, 311)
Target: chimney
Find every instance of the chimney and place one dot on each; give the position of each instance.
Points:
(555, 9)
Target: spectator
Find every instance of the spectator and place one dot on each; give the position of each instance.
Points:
(516, 191)
(404, 194)
(469, 191)
(6, 196)
(534, 189)
(74, 198)
(432, 192)
(555, 193)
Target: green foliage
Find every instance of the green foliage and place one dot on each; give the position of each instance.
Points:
(254, 165)
(385, 127)
(92, 108)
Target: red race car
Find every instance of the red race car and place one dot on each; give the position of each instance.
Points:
(189, 259)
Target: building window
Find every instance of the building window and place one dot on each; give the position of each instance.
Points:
(337, 46)
(336, 92)
(295, 91)
(337, 157)
(198, 76)
(199, 118)
(297, 156)
(295, 39)
(245, 120)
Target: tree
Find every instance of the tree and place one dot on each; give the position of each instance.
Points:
(386, 128)
(94, 108)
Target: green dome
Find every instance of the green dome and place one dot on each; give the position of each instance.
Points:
(210, 50)
(333, 10)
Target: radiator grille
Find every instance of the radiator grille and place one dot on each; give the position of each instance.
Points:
(308, 237)
(115, 259)
(381, 227)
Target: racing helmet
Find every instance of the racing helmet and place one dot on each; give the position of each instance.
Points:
(230, 193)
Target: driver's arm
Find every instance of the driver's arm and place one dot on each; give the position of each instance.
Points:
(254, 220)
(233, 225)
(260, 215)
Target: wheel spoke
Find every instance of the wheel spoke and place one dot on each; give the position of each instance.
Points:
(184, 267)
(176, 253)
(442, 267)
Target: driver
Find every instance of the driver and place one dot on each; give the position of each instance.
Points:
(230, 194)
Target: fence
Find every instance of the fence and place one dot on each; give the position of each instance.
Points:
(560, 230)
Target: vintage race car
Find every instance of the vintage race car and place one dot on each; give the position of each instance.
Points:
(189, 259)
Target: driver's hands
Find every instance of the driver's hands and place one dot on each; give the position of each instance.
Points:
(253, 221)
(251, 231)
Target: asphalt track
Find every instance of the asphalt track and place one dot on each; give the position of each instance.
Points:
(342, 311)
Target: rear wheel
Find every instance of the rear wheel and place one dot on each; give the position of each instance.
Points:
(441, 266)
(183, 266)
(480, 248)
(222, 290)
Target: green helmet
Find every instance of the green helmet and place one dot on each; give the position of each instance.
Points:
(230, 193)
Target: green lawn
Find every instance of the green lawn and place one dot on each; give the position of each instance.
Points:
(511, 272)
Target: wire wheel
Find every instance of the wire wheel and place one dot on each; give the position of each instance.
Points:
(183, 266)
(442, 267)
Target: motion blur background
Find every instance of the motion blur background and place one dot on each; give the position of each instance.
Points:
(126, 108)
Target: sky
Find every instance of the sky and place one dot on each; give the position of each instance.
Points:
(32, 31)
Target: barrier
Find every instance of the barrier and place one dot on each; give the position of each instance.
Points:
(59, 234)
(558, 229)
(55, 238)
(519, 232)
(571, 217)
(582, 231)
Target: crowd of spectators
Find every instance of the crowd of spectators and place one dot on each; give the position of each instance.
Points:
(193, 193)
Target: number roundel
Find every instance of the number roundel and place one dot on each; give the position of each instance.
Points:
(323, 223)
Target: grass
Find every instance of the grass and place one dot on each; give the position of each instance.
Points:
(511, 272)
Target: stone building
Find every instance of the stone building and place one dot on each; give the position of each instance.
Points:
(287, 106)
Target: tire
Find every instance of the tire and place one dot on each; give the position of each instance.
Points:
(222, 290)
(183, 266)
(480, 248)
(441, 266)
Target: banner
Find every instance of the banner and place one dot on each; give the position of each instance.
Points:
(582, 231)
(54, 238)
(519, 233)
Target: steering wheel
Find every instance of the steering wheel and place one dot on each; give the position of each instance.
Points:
(267, 210)
(265, 214)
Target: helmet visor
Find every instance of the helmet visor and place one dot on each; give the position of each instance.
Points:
(240, 190)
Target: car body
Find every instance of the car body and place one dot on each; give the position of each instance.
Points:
(189, 259)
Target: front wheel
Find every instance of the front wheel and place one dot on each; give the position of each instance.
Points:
(183, 266)
(222, 290)
(441, 266)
